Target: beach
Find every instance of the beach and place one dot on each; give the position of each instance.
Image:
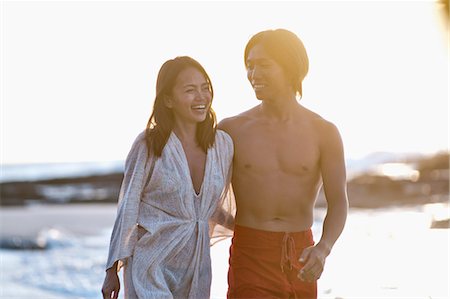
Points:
(79, 219)
(382, 253)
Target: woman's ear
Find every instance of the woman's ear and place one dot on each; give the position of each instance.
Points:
(168, 102)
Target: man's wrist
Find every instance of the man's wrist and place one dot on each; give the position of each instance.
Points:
(324, 247)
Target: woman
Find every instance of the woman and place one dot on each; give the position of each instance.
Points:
(173, 191)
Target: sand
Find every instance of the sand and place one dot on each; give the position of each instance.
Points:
(83, 219)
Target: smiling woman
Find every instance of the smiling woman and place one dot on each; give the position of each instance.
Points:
(182, 83)
(173, 192)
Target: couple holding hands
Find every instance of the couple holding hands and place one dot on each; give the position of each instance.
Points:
(189, 181)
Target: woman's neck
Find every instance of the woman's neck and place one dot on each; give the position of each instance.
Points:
(186, 133)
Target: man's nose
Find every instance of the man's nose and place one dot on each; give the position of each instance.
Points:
(255, 72)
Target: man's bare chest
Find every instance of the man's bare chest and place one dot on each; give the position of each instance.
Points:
(290, 151)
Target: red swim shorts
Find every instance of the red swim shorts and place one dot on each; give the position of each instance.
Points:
(264, 264)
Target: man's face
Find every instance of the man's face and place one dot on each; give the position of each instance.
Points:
(265, 75)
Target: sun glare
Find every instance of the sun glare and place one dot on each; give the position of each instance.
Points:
(398, 171)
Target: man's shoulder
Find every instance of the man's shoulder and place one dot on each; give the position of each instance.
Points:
(323, 130)
(317, 120)
(230, 123)
(233, 120)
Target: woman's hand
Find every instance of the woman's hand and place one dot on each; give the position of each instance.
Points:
(111, 284)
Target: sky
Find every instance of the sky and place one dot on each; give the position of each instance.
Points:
(78, 78)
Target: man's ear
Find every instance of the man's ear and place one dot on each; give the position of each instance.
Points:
(168, 102)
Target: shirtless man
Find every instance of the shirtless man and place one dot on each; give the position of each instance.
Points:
(283, 154)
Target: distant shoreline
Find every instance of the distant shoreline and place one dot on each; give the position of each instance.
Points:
(426, 181)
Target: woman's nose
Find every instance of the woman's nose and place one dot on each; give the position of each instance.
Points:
(204, 94)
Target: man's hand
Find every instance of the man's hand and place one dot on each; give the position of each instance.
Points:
(313, 259)
(111, 285)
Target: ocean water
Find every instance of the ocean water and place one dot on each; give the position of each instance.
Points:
(389, 253)
(72, 267)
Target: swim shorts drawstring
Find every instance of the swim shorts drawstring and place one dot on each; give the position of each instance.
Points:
(287, 252)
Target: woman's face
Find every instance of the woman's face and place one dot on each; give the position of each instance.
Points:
(191, 97)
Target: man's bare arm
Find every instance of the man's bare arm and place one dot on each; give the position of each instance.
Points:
(334, 178)
(332, 166)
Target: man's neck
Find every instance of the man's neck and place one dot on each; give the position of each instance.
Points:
(279, 110)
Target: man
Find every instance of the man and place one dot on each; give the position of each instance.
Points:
(283, 154)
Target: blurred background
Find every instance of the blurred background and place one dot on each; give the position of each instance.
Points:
(77, 87)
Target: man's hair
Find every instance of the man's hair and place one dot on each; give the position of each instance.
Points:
(287, 50)
(161, 121)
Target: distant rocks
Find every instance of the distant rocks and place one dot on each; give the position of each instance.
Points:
(85, 189)
(412, 181)
(407, 181)
(443, 223)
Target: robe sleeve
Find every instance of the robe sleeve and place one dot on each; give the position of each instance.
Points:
(125, 231)
(222, 221)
